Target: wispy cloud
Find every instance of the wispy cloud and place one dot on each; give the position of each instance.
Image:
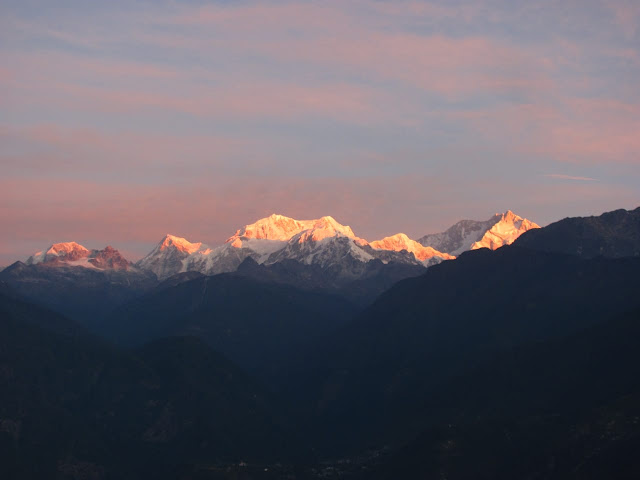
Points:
(560, 176)
(627, 15)
(568, 130)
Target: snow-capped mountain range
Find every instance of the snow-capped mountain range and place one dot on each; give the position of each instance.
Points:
(74, 254)
(322, 242)
(501, 229)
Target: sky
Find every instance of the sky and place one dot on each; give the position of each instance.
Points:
(123, 121)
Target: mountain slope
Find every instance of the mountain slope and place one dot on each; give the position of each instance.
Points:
(612, 234)
(425, 329)
(400, 242)
(254, 323)
(561, 409)
(84, 294)
(168, 256)
(499, 230)
(73, 407)
(322, 242)
(264, 241)
(369, 280)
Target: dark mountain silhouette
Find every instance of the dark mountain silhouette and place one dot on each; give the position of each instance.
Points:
(82, 294)
(369, 381)
(375, 278)
(257, 324)
(564, 409)
(74, 407)
(613, 234)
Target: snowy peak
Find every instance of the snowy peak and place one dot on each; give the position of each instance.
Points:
(272, 239)
(66, 251)
(75, 255)
(326, 227)
(325, 242)
(319, 247)
(273, 227)
(322, 241)
(169, 256)
(505, 231)
(180, 244)
(509, 216)
(281, 228)
(501, 229)
(108, 259)
(330, 226)
(400, 242)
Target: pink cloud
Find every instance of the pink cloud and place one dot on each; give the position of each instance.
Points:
(333, 34)
(626, 14)
(68, 66)
(259, 99)
(48, 147)
(429, 11)
(594, 131)
(354, 42)
(259, 18)
(360, 38)
(560, 176)
(449, 66)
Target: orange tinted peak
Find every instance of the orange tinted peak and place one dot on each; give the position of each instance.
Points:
(179, 243)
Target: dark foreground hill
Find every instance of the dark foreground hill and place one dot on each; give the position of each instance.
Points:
(613, 234)
(369, 383)
(256, 324)
(375, 277)
(73, 407)
(82, 294)
(565, 409)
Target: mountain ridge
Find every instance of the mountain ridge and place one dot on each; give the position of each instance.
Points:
(613, 234)
(74, 254)
(322, 241)
(275, 238)
(501, 229)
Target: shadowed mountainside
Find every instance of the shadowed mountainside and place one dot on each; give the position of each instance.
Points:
(257, 324)
(74, 407)
(426, 329)
(563, 409)
(613, 234)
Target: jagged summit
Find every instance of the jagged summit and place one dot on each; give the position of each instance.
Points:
(66, 251)
(505, 231)
(168, 256)
(281, 228)
(108, 258)
(501, 229)
(613, 234)
(400, 241)
(74, 254)
(273, 227)
(323, 242)
(179, 243)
